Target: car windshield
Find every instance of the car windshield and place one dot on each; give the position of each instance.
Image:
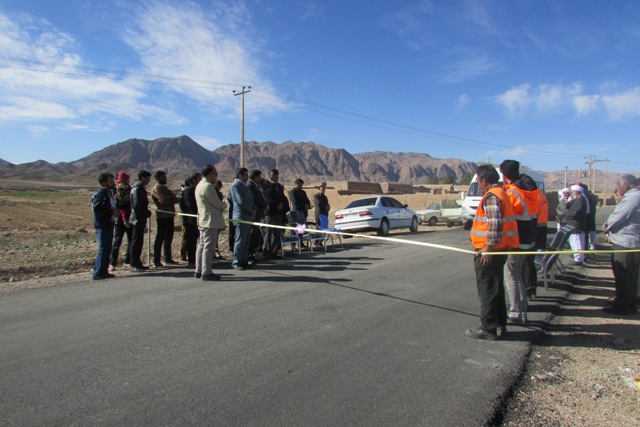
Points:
(362, 202)
(474, 190)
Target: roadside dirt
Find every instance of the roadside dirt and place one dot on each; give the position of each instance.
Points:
(584, 369)
(580, 373)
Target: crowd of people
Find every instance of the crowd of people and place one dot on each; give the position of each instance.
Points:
(121, 210)
(512, 217)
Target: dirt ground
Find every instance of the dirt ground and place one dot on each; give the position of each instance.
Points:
(585, 371)
(580, 373)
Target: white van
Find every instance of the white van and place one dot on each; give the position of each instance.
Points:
(474, 195)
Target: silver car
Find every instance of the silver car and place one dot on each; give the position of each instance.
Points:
(381, 213)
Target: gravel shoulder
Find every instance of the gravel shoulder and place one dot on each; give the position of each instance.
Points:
(583, 370)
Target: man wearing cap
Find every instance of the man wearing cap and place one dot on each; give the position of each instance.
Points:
(623, 227)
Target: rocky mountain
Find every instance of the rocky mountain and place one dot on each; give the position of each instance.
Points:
(181, 156)
(4, 162)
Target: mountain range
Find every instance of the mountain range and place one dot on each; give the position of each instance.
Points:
(181, 156)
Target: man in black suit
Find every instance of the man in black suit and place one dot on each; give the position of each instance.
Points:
(255, 181)
(277, 205)
(299, 200)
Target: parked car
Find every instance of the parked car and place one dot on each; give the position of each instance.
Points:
(381, 213)
(447, 211)
(431, 215)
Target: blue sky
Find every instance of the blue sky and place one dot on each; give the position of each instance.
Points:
(544, 82)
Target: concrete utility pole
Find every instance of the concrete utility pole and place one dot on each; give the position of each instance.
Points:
(589, 163)
(566, 170)
(245, 89)
(606, 173)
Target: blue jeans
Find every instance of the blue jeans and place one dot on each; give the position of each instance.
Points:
(241, 246)
(105, 240)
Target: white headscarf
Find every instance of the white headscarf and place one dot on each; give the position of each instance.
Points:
(584, 196)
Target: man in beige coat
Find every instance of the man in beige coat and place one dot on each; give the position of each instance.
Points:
(210, 221)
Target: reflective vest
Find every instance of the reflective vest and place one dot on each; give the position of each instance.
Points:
(480, 227)
(543, 216)
(526, 207)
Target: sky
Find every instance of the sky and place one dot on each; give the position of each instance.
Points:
(545, 82)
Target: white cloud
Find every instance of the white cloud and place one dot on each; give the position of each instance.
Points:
(463, 101)
(623, 105)
(468, 68)
(516, 99)
(585, 104)
(212, 52)
(547, 99)
(44, 81)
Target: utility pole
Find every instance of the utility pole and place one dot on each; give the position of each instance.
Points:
(606, 173)
(589, 163)
(245, 89)
(566, 170)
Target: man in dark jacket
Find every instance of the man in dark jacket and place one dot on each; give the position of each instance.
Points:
(255, 181)
(575, 215)
(299, 200)
(104, 214)
(189, 206)
(321, 203)
(590, 232)
(244, 209)
(138, 219)
(165, 201)
(277, 207)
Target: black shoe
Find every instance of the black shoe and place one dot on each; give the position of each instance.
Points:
(98, 277)
(197, 275)
(158, 264)
(479, 334)
(210, 277)
(109, 276)
(138, 269)
(239, 267)
(252, 259)
(171, 261)
(618, 309)
(501, 331)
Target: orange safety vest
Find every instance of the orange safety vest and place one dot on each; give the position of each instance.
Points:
(480, 226)
(526, 206)
(543, 216)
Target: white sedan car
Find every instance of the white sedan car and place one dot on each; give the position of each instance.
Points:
(381, 213)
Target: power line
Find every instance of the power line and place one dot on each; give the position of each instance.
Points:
(274, 97)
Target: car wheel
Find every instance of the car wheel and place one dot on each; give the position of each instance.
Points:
(384, 227)
(432, 221)
(414, 225)
(467, 225)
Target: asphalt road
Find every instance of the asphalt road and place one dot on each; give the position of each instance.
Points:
(371, 334)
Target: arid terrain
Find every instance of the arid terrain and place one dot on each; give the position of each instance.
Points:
(581, 372)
